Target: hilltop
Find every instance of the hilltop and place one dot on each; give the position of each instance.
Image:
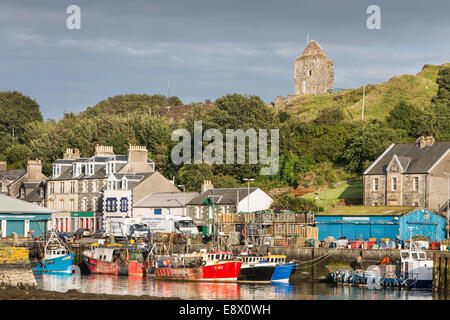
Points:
(417, 90)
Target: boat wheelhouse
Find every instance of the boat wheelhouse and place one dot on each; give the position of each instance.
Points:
(416, 269)
(55, 257)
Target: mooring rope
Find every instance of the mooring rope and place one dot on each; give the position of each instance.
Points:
(319, 259)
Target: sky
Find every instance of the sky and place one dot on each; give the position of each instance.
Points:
(207, 48)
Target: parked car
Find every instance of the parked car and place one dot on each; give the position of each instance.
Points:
(66, 236)
(99, 234)
(83, 232)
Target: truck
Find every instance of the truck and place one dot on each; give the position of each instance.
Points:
(123, 228)
(170, 224)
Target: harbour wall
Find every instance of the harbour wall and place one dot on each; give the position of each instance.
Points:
(15, 268)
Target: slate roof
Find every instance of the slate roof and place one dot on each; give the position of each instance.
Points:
(415, 159)
(17, 206)
(166, 200)
(222, 196)
(12, 174)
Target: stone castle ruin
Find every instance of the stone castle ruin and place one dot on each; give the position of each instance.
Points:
(314, 72)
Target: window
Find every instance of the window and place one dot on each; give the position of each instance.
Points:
(61, 205)
(56, 170)
(72, 205)
(394, 184)
(84, 204)
(416, 183)
(94, 204)
(72, 186)
(94, 186)
(61, 187)
(85, 186)
(124, 205)
(375, 184)
(157, 211)
(51, 187)
(111, 205)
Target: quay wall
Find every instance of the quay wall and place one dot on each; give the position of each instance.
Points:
(441, 271)
(15, 268)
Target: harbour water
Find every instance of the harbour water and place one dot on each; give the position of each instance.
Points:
(108, 284)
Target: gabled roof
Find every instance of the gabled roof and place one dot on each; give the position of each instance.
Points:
(412, 158)
(12, 174)
(16, 206)
(222, 196)
(166, 200)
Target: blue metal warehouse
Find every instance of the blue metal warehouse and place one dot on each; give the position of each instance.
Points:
(19, 216)
(362, 223)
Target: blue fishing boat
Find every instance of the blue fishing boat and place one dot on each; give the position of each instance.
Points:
(54, 257)
(282, 270)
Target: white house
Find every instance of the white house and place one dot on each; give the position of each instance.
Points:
(163, 203)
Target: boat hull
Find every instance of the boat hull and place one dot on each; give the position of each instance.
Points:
(103, 267)
(220, 272)
(256, 273)
(61, 265)
(283, 272)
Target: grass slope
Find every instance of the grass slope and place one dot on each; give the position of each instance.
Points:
(380, 99)
(345, 191)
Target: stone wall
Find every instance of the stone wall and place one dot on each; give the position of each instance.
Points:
(15, 268)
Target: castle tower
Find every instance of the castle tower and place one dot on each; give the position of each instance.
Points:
(313, 71)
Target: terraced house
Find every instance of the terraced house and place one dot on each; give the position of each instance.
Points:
(410, 175)
(77, 186)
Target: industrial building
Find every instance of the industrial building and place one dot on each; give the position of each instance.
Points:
(20, 217)
(363, 223)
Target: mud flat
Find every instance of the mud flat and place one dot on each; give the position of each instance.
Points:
(27, 293)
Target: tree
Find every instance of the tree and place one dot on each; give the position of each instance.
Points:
(193, 175)
(16, 111)
(290, 202)
(17, 156)
(407, 117)
(369, 143)
(175, 101)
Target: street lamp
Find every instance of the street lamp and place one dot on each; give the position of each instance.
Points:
(248, 192)
(317, 198)
(184, 197)
(448, 200)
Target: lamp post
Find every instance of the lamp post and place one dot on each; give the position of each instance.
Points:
(248, 192)
(448, 200)
(317, 198)
(184, 197)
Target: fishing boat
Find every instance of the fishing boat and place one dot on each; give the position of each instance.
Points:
(255, 269)
(282, 270)
(115, 259)
(53, 257)
(217, 266)
(416, 269)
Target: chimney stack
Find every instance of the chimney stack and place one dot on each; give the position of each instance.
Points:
(3, 165)
(71, 154)
(424, 141)
(103, 151)
(34, 170)
(207, 185)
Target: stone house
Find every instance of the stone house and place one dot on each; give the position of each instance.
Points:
(76, 186)
(26, 184)
(409, 175)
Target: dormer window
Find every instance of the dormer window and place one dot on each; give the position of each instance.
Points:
(110, 167)
(124, 184)
(76, 169)
(56, 170)
(90, 169)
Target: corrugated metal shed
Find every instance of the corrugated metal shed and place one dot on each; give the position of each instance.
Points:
(362, 223)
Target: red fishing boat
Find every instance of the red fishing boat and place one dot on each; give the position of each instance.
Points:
(218, 266)
(114, 260)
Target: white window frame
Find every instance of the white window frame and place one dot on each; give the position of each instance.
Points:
(394, 183)
(375, 184)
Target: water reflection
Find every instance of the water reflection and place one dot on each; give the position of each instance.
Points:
(137, 285)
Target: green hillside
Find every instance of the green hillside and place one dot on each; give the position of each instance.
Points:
(380, 98)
